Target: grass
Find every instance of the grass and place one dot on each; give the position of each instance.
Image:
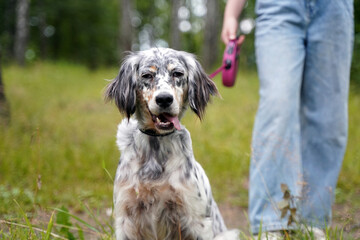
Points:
(59, 151)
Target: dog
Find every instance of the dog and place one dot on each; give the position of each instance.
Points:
(160, 191)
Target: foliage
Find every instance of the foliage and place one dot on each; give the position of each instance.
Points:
(88, 31)
(287, 205)
(84, 31)
(63, 219)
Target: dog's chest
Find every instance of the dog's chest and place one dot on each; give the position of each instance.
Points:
(156, 202)
(173, 194)
(159, 210)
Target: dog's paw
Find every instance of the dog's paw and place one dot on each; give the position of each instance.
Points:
(233, 234)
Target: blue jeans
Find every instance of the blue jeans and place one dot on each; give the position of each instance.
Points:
(303, 51)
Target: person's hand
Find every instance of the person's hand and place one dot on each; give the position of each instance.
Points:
(229, 29)
(232, 12)
(229, 33)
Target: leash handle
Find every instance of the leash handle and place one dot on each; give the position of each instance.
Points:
(230, 62)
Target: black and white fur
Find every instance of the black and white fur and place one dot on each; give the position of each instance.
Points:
(160, 191)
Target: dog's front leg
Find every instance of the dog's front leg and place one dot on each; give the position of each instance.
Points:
(203, 230)
(125, 229)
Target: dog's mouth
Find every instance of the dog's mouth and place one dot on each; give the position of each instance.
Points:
(166, 121)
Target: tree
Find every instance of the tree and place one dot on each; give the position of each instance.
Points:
(4, 107)
(212, 28)
(22, 30)
(42, 28)
(175, 41)
(126, 29)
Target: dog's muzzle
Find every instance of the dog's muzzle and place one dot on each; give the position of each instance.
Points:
(165, 120)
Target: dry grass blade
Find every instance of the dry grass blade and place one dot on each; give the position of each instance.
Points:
(33, 228)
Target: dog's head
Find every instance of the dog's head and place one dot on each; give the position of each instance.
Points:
(158, 85)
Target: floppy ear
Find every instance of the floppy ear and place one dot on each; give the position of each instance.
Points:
(201, 87)
(122, 89)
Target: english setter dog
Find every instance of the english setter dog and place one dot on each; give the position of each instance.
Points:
(160, 191)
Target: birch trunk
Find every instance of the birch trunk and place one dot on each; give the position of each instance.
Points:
(126, 29)
(21, 31)
(211, 34)
(175, 34)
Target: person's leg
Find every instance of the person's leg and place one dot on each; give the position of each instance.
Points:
(276, 144)
(324, 105)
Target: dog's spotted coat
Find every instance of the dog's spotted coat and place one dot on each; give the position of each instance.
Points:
(160, 191)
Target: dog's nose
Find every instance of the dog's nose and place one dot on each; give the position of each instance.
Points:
(164, 100)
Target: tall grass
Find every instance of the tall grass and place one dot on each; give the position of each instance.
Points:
(59, 149)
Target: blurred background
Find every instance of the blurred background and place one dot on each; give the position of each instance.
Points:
(97, 32)
(57, 137)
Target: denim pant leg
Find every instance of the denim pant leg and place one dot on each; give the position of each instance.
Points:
(303, 53)
(276, 143)
(324, 108)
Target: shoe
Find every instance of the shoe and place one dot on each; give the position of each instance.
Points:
(318, 233)
(269, 236)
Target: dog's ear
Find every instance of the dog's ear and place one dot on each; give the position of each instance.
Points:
(122, 89)
(201, 87)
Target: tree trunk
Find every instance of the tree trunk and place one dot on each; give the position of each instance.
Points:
(126, 29)
(22, 30)
(4, 106)
(175, 34)
(42, 28)
(211, 34)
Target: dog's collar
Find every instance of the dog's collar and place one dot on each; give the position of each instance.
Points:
(154, 134)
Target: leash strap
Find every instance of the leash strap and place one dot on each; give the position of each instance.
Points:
(217, 71)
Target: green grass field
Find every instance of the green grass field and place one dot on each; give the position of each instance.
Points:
(59, 149)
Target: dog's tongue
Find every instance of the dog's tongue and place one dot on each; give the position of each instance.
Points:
(174, 120)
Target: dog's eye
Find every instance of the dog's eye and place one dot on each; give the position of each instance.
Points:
(178, 74)
(147, 76)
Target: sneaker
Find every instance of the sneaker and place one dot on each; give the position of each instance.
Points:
(269, 236)
(318, 233)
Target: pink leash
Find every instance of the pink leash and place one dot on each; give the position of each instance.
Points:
(217, 71)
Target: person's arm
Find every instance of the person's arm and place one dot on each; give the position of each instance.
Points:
(232, 12)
